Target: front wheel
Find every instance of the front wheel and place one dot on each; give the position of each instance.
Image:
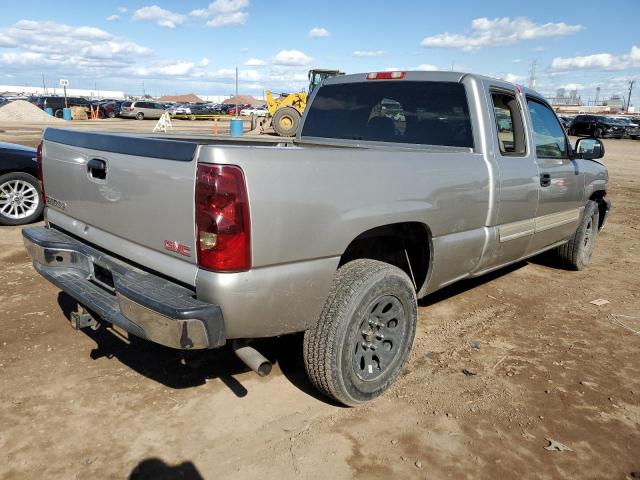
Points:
(576, 253)
(358, 346)
(140, 116)
(597, 133)
(20, 199)
(286, 121)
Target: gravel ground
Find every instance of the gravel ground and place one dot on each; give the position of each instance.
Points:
(550, 366)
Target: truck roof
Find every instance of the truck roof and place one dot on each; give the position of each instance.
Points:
(427, 76)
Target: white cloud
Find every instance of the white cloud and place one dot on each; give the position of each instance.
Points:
(177, 69)
(318, 32)
(255, 62)
(512, 78)
(199, 12)
(499, 31)
(225, 13)
(598, 61)
(425, 66)
(230, 74)
(159, 16)
(291, 58)
(368, 53)
(112, 18)
(517, 60)
(228, 20)
(204, 62)
(122, 9)
(537, 49)
(83, 45)
(572, 86)
(392, 69)
(228, 6)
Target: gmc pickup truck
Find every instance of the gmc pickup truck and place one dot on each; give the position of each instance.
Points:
(396, 185)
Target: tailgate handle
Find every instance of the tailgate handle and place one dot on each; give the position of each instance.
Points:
(97, 168)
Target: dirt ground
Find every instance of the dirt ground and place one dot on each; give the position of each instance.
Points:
(549, 364)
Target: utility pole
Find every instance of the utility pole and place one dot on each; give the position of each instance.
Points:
(44, 87)
(631, 82)
(532, 74)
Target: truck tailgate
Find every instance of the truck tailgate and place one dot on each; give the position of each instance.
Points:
(138, 189)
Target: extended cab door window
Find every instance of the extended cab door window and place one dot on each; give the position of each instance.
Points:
(508, 117)
(548, 134)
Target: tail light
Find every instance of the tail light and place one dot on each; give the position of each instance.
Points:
(223, 229)
(39, 175)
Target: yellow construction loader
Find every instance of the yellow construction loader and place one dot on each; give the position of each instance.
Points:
(285, 112)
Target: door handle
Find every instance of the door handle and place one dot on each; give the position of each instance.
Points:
(97, 168)
(545, 179)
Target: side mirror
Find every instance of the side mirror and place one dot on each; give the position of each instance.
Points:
(589, 148)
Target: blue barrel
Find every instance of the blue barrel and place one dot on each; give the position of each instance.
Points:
(236, 127)
(66, 113)
(49, 111)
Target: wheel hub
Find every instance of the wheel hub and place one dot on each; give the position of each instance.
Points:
(18, 199)
(379, 338)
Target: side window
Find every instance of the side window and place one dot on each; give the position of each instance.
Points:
(509, 124)
(548, 134)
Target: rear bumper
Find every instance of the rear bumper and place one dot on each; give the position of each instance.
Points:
(141, 303)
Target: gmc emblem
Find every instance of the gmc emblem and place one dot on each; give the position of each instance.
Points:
(177, 248)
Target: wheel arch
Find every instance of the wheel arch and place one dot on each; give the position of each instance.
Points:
(406, 245)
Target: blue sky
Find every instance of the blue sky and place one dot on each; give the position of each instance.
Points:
(194, 46)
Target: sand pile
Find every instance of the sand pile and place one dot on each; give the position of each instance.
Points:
(22, 111)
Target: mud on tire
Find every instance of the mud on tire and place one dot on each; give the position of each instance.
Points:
(358, 346)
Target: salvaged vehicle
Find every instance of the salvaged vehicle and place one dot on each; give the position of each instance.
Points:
(193, 242)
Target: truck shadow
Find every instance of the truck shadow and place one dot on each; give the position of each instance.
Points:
(157, 469)
(187, 369)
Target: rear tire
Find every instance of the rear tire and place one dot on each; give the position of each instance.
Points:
(139, 116)
(358, 346)
(112, 114)
(286, 121)
(576, 254)
(58, 113)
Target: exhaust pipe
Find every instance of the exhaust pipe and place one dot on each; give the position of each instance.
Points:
(252, 358)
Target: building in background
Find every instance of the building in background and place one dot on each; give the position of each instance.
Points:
(20, 90)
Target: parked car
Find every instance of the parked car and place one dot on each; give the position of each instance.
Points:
(597, 126)
(632, 128)
(233, 110)
(21, 199)
(336, 234)
(109, 109)
(257, 111)
(58, 103)
(141, 109)
(566, 121)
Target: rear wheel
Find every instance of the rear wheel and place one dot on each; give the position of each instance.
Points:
(361, 341)
(140, 116)
(20, 199)
(112, 114)
(286, 121)
(576, 253)
(58, 113)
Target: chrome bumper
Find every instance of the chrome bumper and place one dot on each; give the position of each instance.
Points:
(141, 303)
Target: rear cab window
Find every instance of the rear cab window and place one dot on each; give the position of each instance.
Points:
(509, 124)
(411, 112)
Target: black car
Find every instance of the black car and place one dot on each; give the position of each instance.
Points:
(20, 196)
(57, 103)
(597, 126)
(632, 128)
